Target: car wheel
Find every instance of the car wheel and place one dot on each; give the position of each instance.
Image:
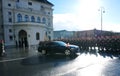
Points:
(67, 52)
(43, 52)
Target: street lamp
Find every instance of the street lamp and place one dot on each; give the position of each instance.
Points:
(102, 10)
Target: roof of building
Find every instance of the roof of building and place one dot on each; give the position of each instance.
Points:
(45, 1)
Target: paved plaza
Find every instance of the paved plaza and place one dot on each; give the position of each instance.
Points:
(28, 62)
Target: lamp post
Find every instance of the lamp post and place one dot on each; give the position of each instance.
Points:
(102, 10)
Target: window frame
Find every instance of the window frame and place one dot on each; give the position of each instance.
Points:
(38, 20)
(44, 20)
(26, 18)
(30, 3)
(10, 20)
(32, 19)
(19, 17)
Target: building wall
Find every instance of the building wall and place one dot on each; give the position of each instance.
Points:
(13, 25)
(1, 21)
(63, 34)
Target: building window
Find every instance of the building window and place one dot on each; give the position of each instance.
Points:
(19, 17)
(10, 19)
(10, 30)
(38, 20)
(44, 20)
(49, 24)
(32, 19)
(26, 18)
(9, 5)
(29, 3)
(42, 8)
(17, 1)
(48, 13)
(37, 36)
(9, 13)
(49, 37)
(11, 37)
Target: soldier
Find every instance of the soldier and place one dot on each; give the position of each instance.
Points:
(107, 44)
(112, 44)
(99, 44)
(93, 43)
(80, 43)
(0, 48)
(117, 44)
(102, 44)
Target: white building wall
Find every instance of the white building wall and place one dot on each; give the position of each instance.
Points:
(24, 9)
(31, 34)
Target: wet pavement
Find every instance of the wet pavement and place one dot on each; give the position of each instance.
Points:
(17, 53)
(28, 62)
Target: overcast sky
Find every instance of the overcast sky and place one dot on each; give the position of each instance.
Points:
(78, 15)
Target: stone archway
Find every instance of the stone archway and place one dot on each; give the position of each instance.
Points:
(22, 35)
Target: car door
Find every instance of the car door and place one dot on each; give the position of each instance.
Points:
(51, 47)
(54, 47)
(58, 48)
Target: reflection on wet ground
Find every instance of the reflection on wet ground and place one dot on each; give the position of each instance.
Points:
(34, 60)
(101, 53)
(93, 63)
(88, 63)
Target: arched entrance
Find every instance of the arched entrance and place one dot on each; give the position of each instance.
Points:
(23, 42)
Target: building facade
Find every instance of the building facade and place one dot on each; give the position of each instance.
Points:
(86, 34)
(94, 33)
(25, 22)
(63, 34)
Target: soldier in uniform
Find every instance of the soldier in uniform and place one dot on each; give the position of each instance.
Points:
(97, 43)
(118, 44)
(1, 48)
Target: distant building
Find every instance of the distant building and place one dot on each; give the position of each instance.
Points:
(25, 22)
(88, 33)
(63, 34)
(93, 33)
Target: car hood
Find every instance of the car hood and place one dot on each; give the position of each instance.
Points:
(73, 46)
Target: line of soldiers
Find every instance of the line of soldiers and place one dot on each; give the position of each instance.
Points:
(101, 44)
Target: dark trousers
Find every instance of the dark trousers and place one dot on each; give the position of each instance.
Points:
(1, 50)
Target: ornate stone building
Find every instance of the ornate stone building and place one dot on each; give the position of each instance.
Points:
(25, 22)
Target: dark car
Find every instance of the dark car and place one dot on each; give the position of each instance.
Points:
(54, 47)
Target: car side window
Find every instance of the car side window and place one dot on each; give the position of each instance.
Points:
(57, 44)
(50, 44)
(53, 44)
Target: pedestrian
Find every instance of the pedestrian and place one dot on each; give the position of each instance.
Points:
(1, 48)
